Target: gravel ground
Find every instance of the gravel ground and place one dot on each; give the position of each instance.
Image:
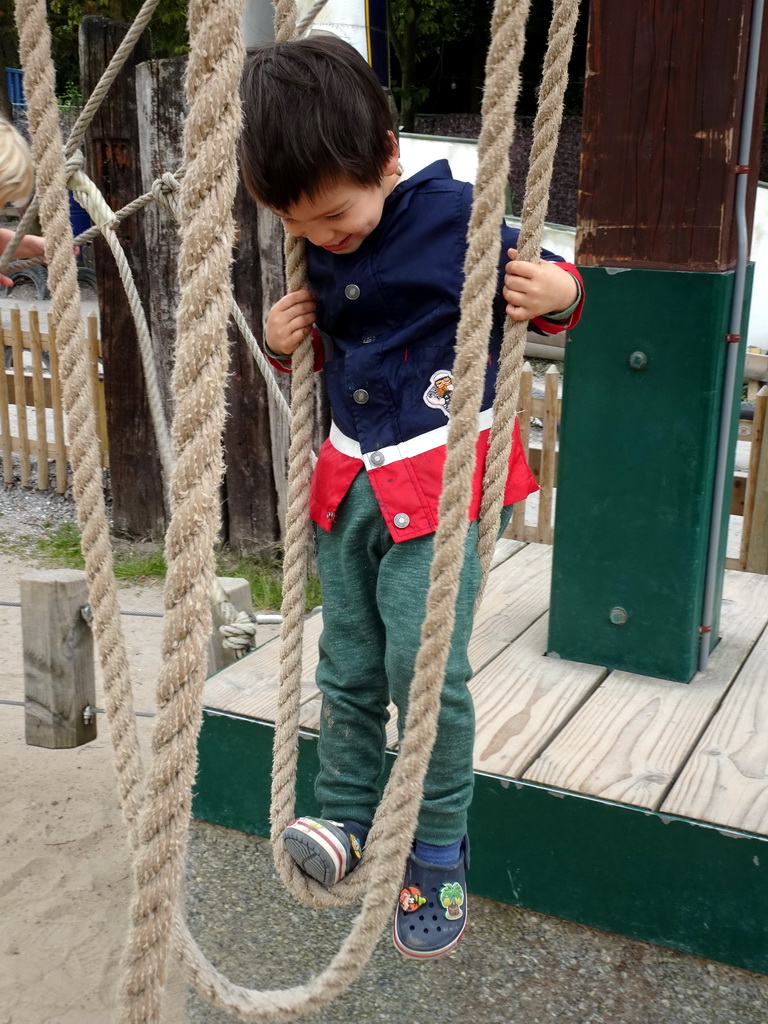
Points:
(512, 967)
(28, 512)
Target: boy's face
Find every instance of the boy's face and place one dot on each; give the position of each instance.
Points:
(342, 216)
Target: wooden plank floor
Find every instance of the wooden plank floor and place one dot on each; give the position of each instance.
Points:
(696, 750)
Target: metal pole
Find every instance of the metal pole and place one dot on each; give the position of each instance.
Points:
(732, 355)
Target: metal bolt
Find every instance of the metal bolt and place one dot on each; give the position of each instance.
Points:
(618, 616)
(638, 360)
(89, 713)
(87, 613)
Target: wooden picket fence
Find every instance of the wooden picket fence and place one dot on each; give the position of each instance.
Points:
(35, 428)
(750, 489)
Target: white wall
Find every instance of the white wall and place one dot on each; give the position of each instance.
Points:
(345, 18)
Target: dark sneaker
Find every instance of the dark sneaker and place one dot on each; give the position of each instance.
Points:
(325, 850)
(431, 912)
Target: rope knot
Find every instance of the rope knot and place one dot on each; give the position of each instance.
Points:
(87, 194)
(165, 191)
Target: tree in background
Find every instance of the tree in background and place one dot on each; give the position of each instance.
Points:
(440, 48)
(168, 26)
(419, 31)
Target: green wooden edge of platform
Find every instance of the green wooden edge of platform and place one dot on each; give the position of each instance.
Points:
(662, 879)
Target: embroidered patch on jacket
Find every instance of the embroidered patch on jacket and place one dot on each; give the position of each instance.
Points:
(451, 897)
(411, 899)
(440, 391)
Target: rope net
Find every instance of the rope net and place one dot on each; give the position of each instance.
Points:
(156, 805)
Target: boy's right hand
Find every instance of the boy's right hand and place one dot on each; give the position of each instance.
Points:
(289, 321)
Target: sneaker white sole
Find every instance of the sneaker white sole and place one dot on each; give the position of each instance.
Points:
(320, 852)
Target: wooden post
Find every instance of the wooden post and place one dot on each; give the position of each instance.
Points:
(59, 679)
(250, 519)
(250, 508)
(657, 240)
(754, 543)
(19, 394)
(38, 390)
(238, 592)
(161, 110)
(113, 161)
(5, 417)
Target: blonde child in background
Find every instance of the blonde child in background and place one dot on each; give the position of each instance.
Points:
(16, 183)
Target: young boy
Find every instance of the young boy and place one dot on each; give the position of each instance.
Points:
(385, 266)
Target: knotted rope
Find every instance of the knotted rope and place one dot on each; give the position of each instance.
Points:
(159, 827)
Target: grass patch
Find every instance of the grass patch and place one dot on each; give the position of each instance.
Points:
(139, 562)
(265, 576)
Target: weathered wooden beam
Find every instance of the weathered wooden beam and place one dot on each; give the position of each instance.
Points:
(113, 161)
(662, 116)
(161, 110)
(238, 592)
(59, 679)
(251, 501)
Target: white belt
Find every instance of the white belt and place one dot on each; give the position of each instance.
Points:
(418, 445)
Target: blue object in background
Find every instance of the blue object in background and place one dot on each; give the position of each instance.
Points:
(14, 85)
(79, 220)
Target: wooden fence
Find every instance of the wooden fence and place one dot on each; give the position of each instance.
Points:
(37, 378)
(35, 428)
(749, 497)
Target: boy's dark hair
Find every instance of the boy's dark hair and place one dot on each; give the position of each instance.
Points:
(314, 114)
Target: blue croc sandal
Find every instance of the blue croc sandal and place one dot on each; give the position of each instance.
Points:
(323, 849)
(431, 912)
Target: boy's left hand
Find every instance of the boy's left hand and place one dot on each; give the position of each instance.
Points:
(536, 289)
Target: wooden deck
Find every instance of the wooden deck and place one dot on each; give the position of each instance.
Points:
(697, 750)
(656, 779)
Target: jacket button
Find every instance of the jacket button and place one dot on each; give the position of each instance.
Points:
(401, 520)
(369, 338)
(377, 458)
(360, 396)
(352, 291)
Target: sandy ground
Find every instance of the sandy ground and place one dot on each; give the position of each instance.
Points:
(65, 877)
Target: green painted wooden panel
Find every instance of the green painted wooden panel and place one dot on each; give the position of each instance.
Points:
(637, 462)
(657, 878)
(662, 879)
(232, 785)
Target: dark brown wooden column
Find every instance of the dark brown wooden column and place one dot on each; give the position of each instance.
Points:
(662, 115)
(113, 161)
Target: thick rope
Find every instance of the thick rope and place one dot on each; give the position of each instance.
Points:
(47, 149)
(546, 130)
(207, 237)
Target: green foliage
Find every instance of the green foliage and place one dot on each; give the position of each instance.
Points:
(61, 547)
(168, 27)
(265, 576)
(70, 96)
(418, 31)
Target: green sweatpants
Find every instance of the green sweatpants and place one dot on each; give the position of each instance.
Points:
(374, 598)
